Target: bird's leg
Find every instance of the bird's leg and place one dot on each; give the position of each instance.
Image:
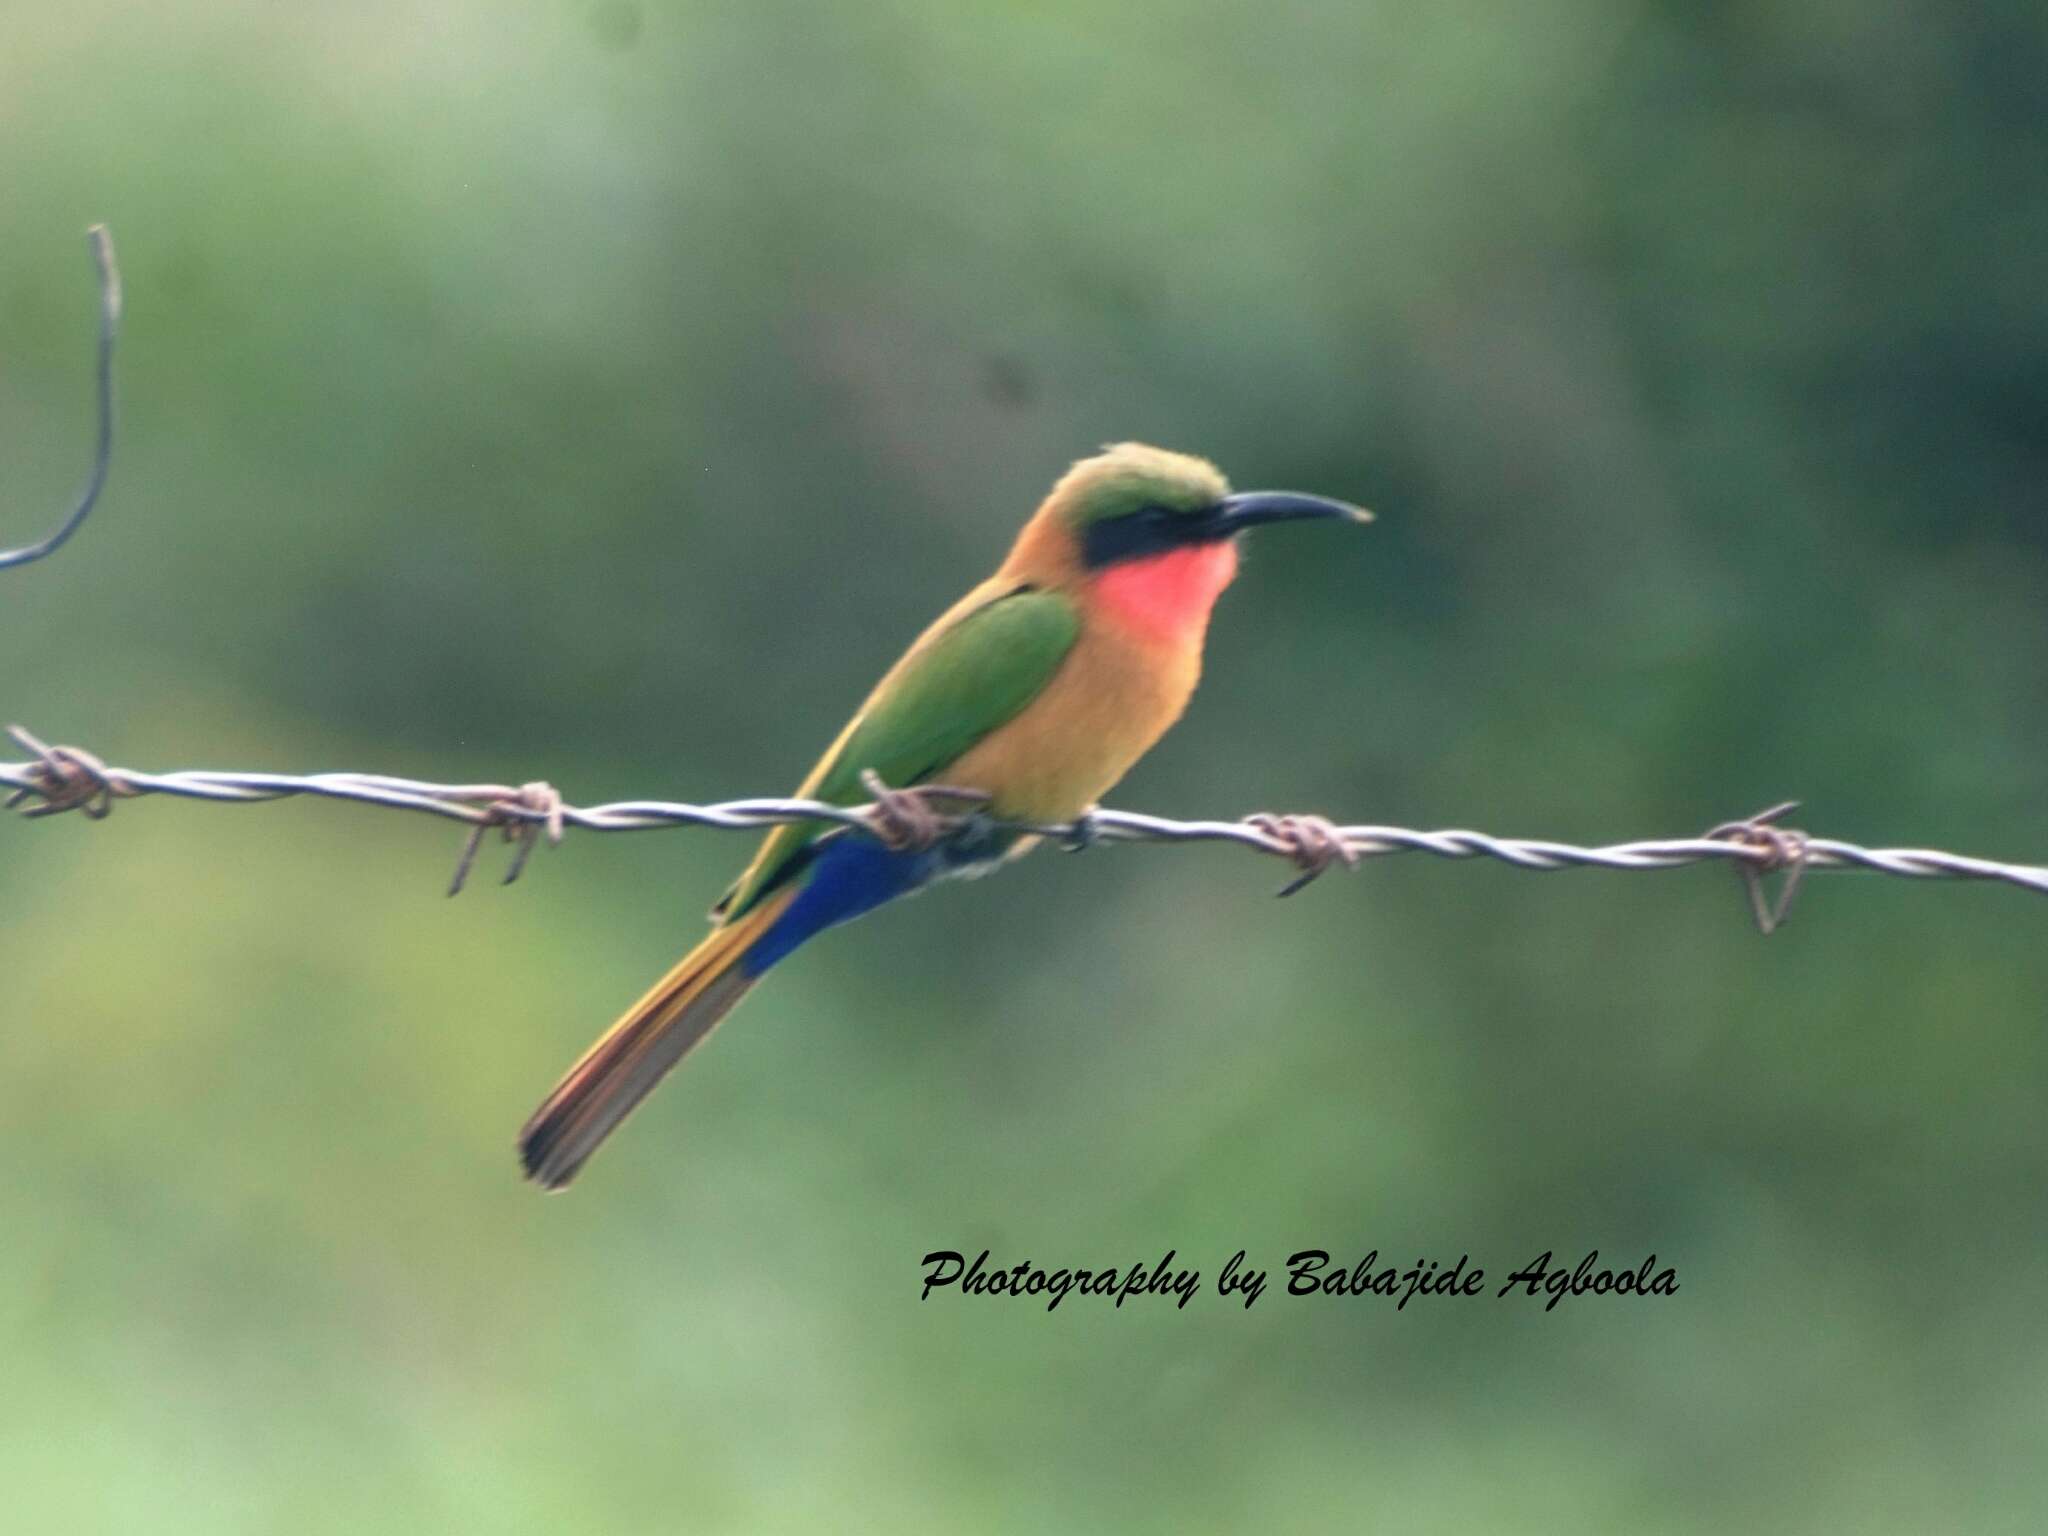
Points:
(1313, 842)
(912, 821)
(974, 833)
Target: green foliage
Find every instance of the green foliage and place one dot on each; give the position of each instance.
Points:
(606, 392)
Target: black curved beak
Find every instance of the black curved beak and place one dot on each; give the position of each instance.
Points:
(1234, 514)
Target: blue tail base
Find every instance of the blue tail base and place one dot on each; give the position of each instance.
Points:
(846, 877)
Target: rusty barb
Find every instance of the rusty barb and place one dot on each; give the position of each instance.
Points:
(1313, 842)
(1771, 848)
(66, 779)
(71, 779)
(522, 816)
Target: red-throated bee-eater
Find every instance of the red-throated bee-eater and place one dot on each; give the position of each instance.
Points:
(1040, 688)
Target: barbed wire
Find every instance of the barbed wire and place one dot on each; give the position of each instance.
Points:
(101, 243)
(53, 780)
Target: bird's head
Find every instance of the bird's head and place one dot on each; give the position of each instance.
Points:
(1152, 534)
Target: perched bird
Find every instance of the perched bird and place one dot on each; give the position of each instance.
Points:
(1040, 688)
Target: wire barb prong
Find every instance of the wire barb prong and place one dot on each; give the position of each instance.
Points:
(522, 815)
(1313, 842)
(66, 779)
(1772, 848)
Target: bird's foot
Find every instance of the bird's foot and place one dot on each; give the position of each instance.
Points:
(1313, 842)
(974, 834)
(918, 819)
(1084, 832)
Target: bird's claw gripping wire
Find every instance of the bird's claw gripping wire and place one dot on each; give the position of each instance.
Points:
(1772, 847)
(1083, 832)
(67, 779)
(914, 820)
(522, 815)
(1313, 842)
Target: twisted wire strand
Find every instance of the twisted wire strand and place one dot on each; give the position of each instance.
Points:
(57, 779)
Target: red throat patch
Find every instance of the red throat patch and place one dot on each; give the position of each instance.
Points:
(1168, 596)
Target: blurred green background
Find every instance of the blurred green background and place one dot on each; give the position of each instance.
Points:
(605, 391)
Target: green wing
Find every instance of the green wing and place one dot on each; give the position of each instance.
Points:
(948, 693)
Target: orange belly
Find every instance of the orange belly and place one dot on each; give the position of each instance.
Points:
(1116, 694)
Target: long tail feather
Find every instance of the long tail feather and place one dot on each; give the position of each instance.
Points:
(633, 1055)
